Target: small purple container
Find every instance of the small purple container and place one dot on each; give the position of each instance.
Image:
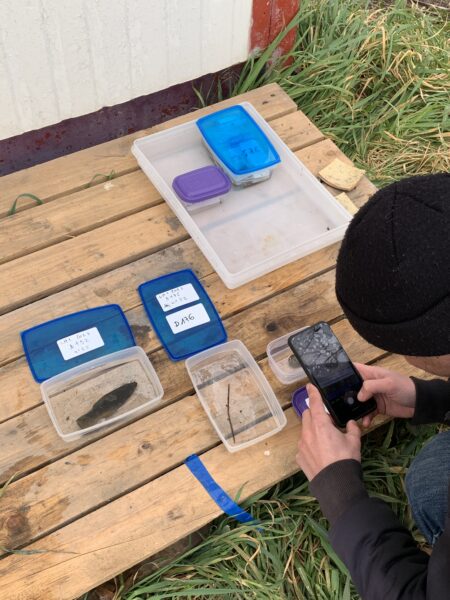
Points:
(202, 184)
(300, 401)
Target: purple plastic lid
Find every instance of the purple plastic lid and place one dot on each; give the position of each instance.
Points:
(201, 184)
(300, 401)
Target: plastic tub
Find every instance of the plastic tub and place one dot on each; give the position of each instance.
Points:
(100, 392)
(258, 228)
(201, 188)
(235, 394)
(238, 145)
(300, 401)
(282, 361)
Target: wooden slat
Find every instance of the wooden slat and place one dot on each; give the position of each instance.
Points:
(317, 156)
(297, 131)
(70, 173)
(50, 223)
(148, 519)
(53, 269)
(19, 391)
(36, 313)
(153, 445)
(32, 440)
(117, 286)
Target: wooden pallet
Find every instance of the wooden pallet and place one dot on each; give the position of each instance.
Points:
(98, 506)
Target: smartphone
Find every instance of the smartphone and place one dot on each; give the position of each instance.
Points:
(329, 368)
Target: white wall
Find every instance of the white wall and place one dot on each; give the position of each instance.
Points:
(65, 58)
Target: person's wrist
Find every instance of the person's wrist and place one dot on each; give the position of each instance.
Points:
(337, 486)
(412, 394)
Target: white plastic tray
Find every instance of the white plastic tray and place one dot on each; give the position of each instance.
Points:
(235, 394)
(256, 229)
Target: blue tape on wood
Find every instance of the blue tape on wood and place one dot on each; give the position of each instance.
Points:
(220, 497)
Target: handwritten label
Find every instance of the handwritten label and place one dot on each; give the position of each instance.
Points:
(183, 294)
(187, 318)
(80, 343)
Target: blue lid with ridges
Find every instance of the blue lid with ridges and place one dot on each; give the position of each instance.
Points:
(182, 314)
(72, 340)
(237, 140)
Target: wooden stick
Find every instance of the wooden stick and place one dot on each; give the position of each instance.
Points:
(228, 413)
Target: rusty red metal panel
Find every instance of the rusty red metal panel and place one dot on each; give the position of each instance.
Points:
(269, 17)
(283, 11)
(261, 15)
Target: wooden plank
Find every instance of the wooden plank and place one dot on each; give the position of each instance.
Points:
(19, 391)
(32, 440)
(152, 445)
(321, 154)
(50, 223)
(36, 313)
(70, 173)
(146, 520)
(117, 286)
(297, 131)
(53, 269)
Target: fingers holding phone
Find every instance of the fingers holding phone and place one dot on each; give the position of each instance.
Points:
(329, 368)
(395, 394)
(321, 442)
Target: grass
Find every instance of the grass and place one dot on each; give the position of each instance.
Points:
(374, 79)
(291, 557)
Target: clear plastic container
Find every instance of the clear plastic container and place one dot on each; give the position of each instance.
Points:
(240, 181)
(238, 145)
(255, 229)
(201, 188)
(100, 392)
(282, 361)
(235, 395)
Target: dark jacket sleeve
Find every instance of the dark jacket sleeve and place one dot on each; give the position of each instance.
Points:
(381, 555)
(432, 403)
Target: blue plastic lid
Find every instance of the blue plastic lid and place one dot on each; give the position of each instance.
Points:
(182, 314)
(237, 141)
(72, 340)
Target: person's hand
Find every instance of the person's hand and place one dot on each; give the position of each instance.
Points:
(321, 442)
(395, 394)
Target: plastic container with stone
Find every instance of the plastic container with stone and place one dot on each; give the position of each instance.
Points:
(283, 363)
(90, 371)
(201, 188)
(235, 394)
(101, 392)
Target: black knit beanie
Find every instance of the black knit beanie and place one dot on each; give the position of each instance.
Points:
(393, 269)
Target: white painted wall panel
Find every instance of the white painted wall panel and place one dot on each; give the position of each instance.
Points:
(65, 58)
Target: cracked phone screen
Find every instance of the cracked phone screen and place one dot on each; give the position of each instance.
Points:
(325, 359)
